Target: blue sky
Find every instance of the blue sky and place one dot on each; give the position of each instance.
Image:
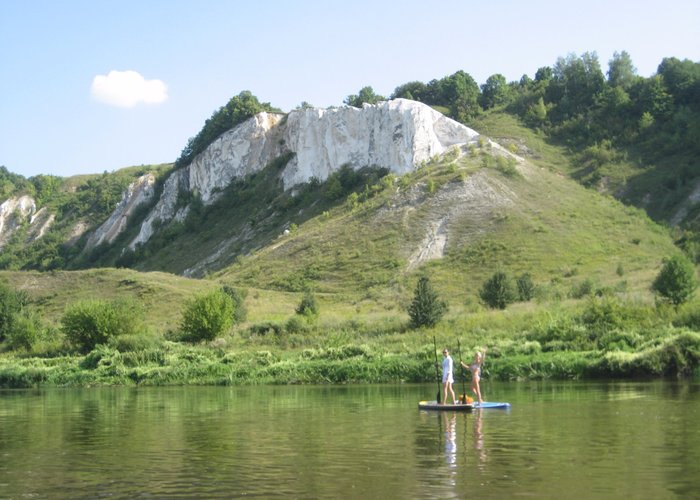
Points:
(94, 86)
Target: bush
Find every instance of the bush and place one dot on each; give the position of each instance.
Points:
(426, 309)
(498, 291)
(308, 307)
(583, 289)
(240, 313)
(207, 316)
(26, 330)
(295, 325)
(603, 314)
(11, 303)
(91, 322)
(526, 288)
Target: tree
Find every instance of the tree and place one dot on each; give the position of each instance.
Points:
(536, 113)
(461, 93)
(652, 96)
(676, 282)
(207, 316)
(426, 309)
(682, 79)
(621, 71)
(366, 95)
(575, 83)
(498, 291)
(417, 91)
(495, 91)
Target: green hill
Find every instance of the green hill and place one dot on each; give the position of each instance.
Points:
(359, 242)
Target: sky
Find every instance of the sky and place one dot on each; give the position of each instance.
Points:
(95, 86)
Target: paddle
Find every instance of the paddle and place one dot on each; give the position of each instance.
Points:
(461, 370)
(437, 370)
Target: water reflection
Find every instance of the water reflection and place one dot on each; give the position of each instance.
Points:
(479, 438)
(585, 439)
(450, 439)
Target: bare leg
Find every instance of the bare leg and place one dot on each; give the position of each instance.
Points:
(476, 389)
(447, 387)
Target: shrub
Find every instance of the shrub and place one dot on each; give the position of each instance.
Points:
(426, 309)
(11, 303)
(91, 322)
(498, 291)
(295, 325)
(676, 282)
(582, 289)
(603, 314)
(240, 313)
(207, 316)
(308, 307)
(25, 331)
(526, 288)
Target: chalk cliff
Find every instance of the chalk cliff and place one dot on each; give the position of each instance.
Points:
(13, 213)
(398, 135)
(138, 192)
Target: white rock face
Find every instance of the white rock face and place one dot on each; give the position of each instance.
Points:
(397, 135)
(242, 150)
(138, 192)
(13, 213)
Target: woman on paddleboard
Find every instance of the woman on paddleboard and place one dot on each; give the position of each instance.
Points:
(447, 376)
(475, 368)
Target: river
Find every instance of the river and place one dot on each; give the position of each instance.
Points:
(558, 440)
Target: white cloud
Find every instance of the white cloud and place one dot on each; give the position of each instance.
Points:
(126, 89)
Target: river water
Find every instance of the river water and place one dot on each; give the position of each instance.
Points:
(559, 440)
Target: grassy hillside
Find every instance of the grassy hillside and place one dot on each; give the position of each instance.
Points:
(525, 219)
(160, 293)
(360, 242)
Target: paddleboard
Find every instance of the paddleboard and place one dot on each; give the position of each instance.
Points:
(434, 405)
(490, 404)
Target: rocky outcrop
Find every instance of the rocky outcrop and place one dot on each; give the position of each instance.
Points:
(140, 191)
(398, 135)
(13, 213)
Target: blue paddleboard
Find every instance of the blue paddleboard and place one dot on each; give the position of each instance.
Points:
(490, 404)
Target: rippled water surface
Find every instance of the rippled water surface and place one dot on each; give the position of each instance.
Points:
(559, 440)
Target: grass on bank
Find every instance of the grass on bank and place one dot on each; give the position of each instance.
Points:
(586, 338)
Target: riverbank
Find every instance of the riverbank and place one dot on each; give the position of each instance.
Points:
(408, 357)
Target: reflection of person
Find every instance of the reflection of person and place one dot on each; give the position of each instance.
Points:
(447, 377)
(479, 437)
(475, 368)
(450, 439)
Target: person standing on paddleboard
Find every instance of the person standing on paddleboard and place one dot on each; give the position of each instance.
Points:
(475, 368)
(447, 376)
